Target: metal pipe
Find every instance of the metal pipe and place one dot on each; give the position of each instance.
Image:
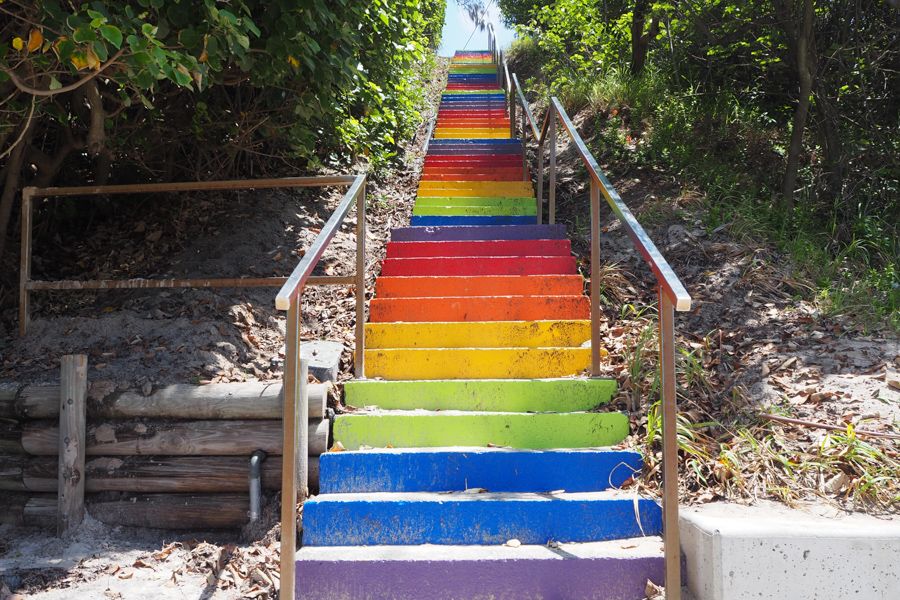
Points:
(669, 401)
(540, 180)
(595, 278)
(256, 461)
(551, 216)
(289, 450)
(359, 368)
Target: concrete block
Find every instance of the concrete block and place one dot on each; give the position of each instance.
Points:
(324, 358)
(770, 552)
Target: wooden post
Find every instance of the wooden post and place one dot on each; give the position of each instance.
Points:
(303, 431)
(72, 443)
(359, 368)
(669, 406)
(289, 452)
(25, 261)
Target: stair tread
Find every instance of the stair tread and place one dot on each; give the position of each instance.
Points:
(648, 546)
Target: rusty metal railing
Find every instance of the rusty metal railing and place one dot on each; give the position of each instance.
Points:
(295, 459)
(671, 293)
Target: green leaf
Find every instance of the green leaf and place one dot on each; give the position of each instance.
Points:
(148, 30)
(54, 83)
(112, 34)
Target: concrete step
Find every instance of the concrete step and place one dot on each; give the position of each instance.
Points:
(460, 469)
(479, 308)
(463, 232)
(398, 364)
(480, 265)
(461, 518)
(490, 395)
(436, 429)
(478, 334)
(481, 285)
(614, 570)
(432, 220)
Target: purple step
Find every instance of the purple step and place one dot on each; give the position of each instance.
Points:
(616, 570)
(478, 232)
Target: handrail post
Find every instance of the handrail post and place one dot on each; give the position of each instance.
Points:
(25, 262)
(595, 277)
(551, 200)
(512, 109)
(540, 180)
(359, 368)
(289, 449)
(669, 402)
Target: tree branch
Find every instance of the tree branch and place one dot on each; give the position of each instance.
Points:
(66, 88)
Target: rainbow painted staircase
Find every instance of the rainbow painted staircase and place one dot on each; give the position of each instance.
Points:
(477, 467)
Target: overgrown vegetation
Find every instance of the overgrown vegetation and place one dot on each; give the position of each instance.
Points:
(145, 90)
(783, 113)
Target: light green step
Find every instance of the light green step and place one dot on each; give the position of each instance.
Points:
(491, 395)
(523, 202)
(427, 429)
(455, 210)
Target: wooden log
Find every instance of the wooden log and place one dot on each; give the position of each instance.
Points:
(140, 474)
(71, 443)
(11, 438)
(174, 511)
(12, 470)
(26, 509)
(182, 438)
(253, 400)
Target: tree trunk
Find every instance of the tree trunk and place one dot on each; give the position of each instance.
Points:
(805, 77)
(640, 39)
(11, 174)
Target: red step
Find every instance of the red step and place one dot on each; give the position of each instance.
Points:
(480, 265)
(479, 308)
(474, 160)
(497, 175)
(485, 285)
(480, 248)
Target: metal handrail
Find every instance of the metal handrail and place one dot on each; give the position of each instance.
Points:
(295, 409)
(671, 293)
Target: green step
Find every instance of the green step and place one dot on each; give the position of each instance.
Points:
(453, 210)
(426, 429)
(522, 202)
(491, 395)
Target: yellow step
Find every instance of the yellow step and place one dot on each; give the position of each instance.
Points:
(502, 133)
(475, 363)
(481, 188)
(478, 334)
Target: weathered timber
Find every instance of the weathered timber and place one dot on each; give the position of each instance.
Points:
(162, 511)
(148, 474)
(183, 438)
(253, 400)
(11, 438)
(71, 443)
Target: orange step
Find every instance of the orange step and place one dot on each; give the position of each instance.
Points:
(489, 285)
(478, 308)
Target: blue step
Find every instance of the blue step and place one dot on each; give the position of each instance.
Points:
(458, 469)
(475, 518)
(475, 232)
(426, 221)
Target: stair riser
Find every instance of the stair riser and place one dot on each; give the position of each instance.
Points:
(515, 430)
(497, 334)
(507, 232)
(482, 248)
(366, 523)
(492, 265)
(479, 308)
(525, 579)
(491, 285)
(430, 220)
(495, 471)
(491, 395)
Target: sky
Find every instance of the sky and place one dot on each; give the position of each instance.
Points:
(458, 27)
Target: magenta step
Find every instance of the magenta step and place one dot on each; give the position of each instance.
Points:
(478, 232)
(480, 248)
(480, 265)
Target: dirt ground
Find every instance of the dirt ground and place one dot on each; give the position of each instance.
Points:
(754, 342)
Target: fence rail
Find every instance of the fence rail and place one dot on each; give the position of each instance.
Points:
(671, 293)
